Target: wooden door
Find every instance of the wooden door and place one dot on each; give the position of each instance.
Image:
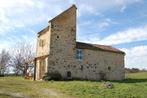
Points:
(41, 68)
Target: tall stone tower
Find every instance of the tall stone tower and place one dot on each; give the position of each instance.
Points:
(62, 40)
(63, 33)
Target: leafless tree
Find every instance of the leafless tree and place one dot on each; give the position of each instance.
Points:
(4, 61)
(23, 56)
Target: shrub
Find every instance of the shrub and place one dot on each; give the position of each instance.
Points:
(132, 70)
(1, 75)
(52, 76)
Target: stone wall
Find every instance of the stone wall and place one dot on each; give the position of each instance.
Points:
(96, 63)
(63, 41)
(43, 51)
(43, 39)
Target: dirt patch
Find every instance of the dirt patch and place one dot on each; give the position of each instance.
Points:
(12, 95)
(50, 93)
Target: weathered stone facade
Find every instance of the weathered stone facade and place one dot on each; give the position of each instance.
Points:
(57, 52)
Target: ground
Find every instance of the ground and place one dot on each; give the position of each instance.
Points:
(134, 86)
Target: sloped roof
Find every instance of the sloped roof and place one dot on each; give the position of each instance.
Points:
(46, 28)
(73, 6)
(82, 45)
(43, 30)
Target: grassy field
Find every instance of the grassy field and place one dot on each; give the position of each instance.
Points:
(134, 86)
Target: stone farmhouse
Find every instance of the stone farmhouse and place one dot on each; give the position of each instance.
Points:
(58, 51)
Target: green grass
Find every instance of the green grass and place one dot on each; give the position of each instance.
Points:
(18, 87)
(139, 75)
(134, 86)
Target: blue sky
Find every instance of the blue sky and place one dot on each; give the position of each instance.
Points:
(120, 23)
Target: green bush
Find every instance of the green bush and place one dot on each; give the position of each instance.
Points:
(52, 76)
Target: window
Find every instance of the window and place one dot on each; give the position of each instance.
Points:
(79, 54)
(68, 74)
(81, 67)
(109, 68)
(41, 43)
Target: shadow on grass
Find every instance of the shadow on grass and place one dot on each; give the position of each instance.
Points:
(129, 80)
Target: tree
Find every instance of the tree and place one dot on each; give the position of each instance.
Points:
(23, 55)
(4, 61)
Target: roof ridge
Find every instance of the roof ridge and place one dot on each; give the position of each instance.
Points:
(73, 5)
(83, 45)
(95, 44)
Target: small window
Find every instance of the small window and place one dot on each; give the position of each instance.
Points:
(41, 43)
(81, 67)
(79, 54)
(57, 36)
(68, 74)
(109, 68)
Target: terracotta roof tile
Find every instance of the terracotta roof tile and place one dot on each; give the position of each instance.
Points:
(82, 45)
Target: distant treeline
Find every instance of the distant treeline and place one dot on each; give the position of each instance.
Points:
(134, 70)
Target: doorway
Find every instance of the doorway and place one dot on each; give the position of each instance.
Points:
(42, 67)
(68, 75)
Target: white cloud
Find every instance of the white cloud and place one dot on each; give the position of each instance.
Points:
(90, 34)
(136, 57)
(11, 4)
(12, 40)
(95, 6)
(19, 14)
(105, 23)
(130, 35)
(16, 14)
(123, 9)
(4, 45)
(126, 36)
